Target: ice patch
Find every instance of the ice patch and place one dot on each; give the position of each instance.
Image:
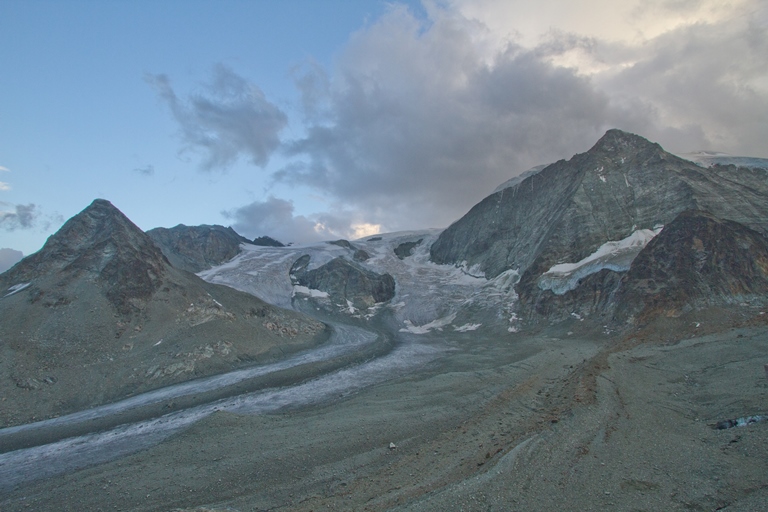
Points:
(467, 327)
(616, 256)
(424, 329)
(303, 290)
(16, 288)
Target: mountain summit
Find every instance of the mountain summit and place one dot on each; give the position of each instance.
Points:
(99, 245)
(594, 211)
(99, 312)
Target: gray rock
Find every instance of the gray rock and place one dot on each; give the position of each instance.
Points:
(267, 241)
(345, 281)
(569, 209)
(697, 261)
(197, 248)
(405, 249)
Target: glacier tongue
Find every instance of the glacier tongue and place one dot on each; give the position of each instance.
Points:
(615, 255)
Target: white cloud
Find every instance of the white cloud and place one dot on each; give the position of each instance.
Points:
(4, 169)
(629, 22)
(423, 118)
(4, 186)
(232, 119)
(276, 218)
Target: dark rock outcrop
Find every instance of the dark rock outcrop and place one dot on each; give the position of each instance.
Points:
(345, 282)
(697, 261)
(267, 241)
(100, 246)
(197, 248)
(405, 249)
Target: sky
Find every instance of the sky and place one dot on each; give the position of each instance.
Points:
(309, 120)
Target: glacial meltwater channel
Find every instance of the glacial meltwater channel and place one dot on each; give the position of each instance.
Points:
(66, 454)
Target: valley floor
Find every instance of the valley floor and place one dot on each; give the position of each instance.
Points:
(527, 423)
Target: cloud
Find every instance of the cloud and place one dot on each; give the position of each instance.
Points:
(705, 79)
(147, 170)
(9, 257)
(13, 217)
(422, 125)
(4, 186)
(230, 120)
(276, 218)
(421, 118)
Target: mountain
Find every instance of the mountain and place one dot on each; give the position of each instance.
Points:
(99, 313)
(197, 248)
(579, 224)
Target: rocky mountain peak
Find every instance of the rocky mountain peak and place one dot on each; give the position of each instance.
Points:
(618, 141)
(571, 212)
(100, 244)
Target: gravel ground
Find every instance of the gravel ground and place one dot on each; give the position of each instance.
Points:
(524, 423)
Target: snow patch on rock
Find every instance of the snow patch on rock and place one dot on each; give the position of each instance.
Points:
(16, 288)
(615, 255)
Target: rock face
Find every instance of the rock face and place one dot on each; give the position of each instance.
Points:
(345, 282)
(567, 210)
(566, 216)
(99, 313)
(197, 248)
(697, 261)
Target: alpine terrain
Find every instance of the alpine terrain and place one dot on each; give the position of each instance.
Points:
(590, 336)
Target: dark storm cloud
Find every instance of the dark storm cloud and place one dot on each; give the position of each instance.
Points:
(20, 216)
(232, 119)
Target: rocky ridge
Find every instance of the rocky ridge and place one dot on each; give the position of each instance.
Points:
(197, 248)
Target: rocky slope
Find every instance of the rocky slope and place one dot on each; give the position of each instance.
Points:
(197, 248)
(563, 218)
(99, 313)
(696, 262)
